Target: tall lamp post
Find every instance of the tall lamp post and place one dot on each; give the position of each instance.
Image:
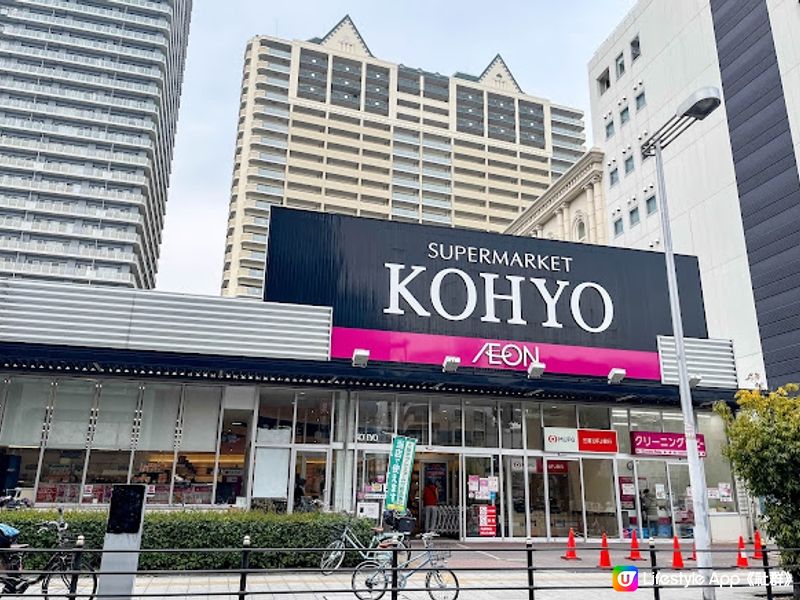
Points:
(695, 108)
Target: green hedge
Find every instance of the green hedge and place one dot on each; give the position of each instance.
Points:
(200, 529)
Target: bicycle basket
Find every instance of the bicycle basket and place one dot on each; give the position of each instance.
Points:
(405, 524)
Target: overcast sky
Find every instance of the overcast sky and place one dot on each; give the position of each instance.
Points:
(546, 44)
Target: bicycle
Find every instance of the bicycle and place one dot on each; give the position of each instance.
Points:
(333, 556)
(55, 578)
(371, 578)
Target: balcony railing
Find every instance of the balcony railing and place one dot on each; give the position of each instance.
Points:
(20, 266)
(69, 169)
(61, 111)
(67, 39)
(107, 13)
(72, 150)
(69, 229)
(70, 210)
(16, 66)
(65, 188)
(68, 22)
(77, 132)
(100, 63)
(55, 249)
(94, 97)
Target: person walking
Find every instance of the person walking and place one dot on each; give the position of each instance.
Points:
(430, 500)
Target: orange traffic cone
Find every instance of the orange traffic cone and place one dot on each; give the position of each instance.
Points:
(757, 555)
(677, 559)
(635, 554)
(605, 557)
(741, 557)
(570, 554)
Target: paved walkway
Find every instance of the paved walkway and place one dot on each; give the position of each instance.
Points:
(500, 567)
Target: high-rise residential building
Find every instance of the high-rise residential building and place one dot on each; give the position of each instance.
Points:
(325, 125)
(732, 180)
(89, 96)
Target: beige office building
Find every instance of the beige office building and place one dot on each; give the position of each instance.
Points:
(572, 209)
(325, 125)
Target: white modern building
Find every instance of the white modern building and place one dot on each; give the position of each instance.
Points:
(326, 125)
(732, 180)
(89, 96)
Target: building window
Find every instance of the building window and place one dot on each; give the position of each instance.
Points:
(651, 206)
(613, 176)
(633, 216)
(609, 129)
(620, 65)
(629, 165)
(604, 81)
(580, 231)
(618, 228)
(624, 115)
(641, 101)
(636, 50)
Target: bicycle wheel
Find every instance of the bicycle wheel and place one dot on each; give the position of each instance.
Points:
(442, 584)
(369, 581)
(332, 558)
(56, 585)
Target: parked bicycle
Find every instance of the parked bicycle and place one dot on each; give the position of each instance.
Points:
(371, 578)
(54, 578)
(333, 556)
(12, 499)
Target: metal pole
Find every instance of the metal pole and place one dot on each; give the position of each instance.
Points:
(697, 476)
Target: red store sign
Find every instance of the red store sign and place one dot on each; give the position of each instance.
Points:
(656, 443)
(564, 439)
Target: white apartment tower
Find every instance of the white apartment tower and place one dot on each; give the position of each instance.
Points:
(89, 96)
(325, 125)
(732, 180)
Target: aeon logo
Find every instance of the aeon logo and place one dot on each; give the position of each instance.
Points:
(510, 355)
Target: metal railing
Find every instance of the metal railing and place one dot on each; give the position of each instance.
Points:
(529, 570)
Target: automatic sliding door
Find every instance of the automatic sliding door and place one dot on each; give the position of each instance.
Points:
(600, 497)
(565, 498)
(482, 482)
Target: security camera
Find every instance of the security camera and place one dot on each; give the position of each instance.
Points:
(450, 364)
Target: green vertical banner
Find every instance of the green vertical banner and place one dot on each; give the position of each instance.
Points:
(398, 478)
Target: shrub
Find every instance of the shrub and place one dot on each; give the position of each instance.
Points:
(196, 530)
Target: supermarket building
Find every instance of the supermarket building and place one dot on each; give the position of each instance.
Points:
(494, 352)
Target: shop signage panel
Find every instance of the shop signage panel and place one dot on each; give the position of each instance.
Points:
(398, 477)
(416, 293)
(564, 439)
(656, 443)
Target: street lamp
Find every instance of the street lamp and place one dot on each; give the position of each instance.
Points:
(695, 108)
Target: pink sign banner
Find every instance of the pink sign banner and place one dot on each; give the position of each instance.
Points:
(423, 348)
(655, 443)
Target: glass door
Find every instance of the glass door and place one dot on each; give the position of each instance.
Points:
(565, 497)
(516, 500)
(681, 494)
(537, 497)
(482, 500)
(600, 497)
(653, 499)
(310, 489)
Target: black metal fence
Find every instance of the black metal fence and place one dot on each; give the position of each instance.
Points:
(526, 569)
